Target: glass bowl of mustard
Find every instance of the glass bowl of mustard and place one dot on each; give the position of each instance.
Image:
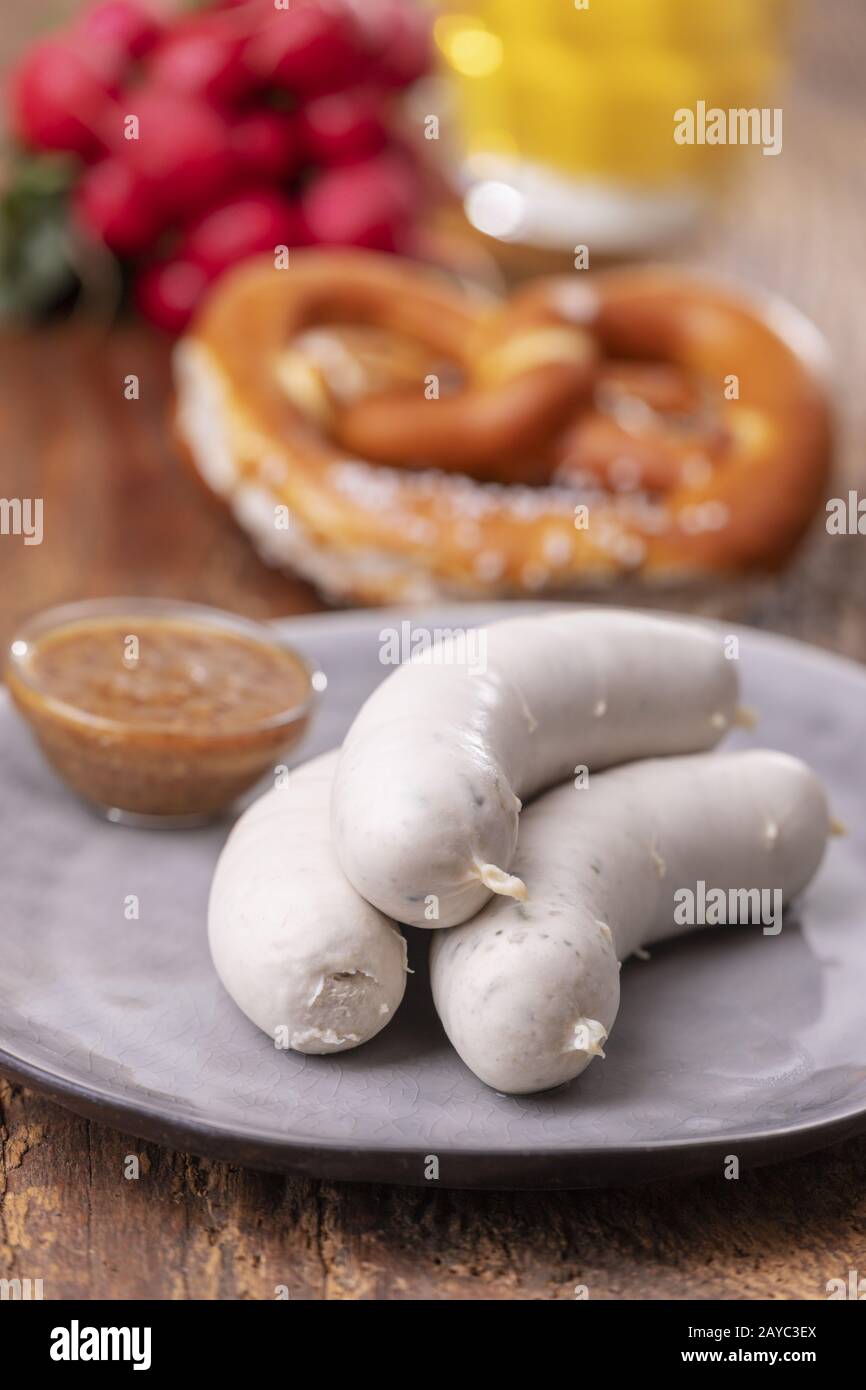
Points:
(157, 712)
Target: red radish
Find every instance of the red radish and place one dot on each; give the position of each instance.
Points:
(135, 28)
(398, 41)
(255, 221)
(367, 204)
(396, 174)
(408, 54)
(266, 145)
(168, 292)
(308, 50)
(342, 127)
(203, 57)
(183, 151)
(112, 205)
(60, 94)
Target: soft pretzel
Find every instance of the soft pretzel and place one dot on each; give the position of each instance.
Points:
(520, 379)
(427, 440)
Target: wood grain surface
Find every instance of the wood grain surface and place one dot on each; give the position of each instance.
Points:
(121, 516)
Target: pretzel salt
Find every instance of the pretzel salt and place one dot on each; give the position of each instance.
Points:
(424, 440)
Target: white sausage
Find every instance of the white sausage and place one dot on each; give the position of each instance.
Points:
(293, 943)
(433, 771)
(527, 992)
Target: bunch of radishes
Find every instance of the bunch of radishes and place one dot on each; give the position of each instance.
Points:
(238, 128)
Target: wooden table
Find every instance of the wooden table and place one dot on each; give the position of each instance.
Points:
(122, 517)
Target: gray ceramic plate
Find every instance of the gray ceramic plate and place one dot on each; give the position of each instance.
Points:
(727, 1042)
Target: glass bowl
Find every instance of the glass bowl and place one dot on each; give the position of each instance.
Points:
(158, 712)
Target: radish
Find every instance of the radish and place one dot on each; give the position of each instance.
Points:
(134, 28)
(61, 96)
(433, 770)
(167, 293)
(300, 953)
(528, 992)
(253, 221)
(266, 145)
(342, 127)
(111, 204)
(366, 204)
(183, 151)
(398, 41)
(204, 57)
(307, 49)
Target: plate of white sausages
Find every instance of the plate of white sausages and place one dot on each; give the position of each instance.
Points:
(551, 897)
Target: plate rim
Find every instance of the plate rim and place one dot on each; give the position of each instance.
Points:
(353, 618)
(560, 1166)
(503, 1169)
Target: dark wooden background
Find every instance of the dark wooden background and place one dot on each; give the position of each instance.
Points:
(122, 517)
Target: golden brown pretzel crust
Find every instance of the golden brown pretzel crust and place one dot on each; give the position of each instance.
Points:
(373, 532)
